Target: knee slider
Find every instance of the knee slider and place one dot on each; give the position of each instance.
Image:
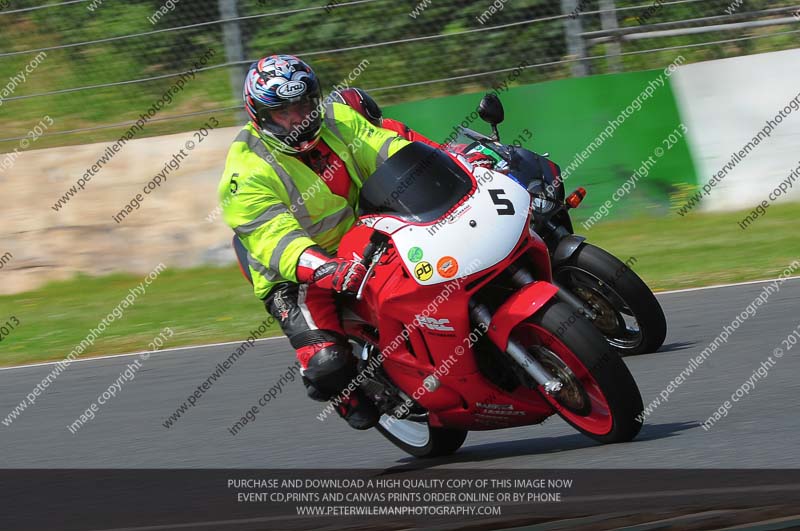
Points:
(331, 369)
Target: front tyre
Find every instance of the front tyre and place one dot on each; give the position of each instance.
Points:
(626, 311)
(599, 396)
(420, 439)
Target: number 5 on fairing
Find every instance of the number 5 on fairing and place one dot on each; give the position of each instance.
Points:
(505, 206)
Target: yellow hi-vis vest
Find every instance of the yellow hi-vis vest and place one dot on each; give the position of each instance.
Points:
(279, 207)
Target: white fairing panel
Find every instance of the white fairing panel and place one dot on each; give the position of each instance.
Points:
(476, 236)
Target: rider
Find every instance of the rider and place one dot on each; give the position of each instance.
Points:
(289, 190)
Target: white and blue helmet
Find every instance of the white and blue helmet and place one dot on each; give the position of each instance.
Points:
(277, 83)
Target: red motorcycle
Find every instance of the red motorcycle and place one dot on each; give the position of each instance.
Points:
(457, 326)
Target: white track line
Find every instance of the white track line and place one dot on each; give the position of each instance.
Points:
(193, 347)
(724, 285)
(156, 352)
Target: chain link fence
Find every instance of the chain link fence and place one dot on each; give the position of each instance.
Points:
(94, 67)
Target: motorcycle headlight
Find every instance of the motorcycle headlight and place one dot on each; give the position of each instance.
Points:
(542, 205)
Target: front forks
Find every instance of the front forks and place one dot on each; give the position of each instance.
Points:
(481, 315)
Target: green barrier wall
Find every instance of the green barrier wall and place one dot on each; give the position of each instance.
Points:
(565, 116)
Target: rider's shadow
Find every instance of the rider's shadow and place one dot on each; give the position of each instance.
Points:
(652, 432)
(535, 446)
(678, 345)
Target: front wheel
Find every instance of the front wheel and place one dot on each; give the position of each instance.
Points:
(625, 309)
(599, 396)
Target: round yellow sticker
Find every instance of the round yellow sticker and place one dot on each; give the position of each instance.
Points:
(423, 270)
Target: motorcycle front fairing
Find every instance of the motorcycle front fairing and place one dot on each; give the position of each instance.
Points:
(445, 222)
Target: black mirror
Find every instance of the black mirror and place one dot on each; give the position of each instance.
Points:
(491, 110)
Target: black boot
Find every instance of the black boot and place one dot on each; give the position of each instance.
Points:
(330, 371)
(359, 411)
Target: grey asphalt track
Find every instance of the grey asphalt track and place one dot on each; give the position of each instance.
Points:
(761, 431)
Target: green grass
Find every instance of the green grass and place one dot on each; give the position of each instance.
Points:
(676, 252)
(215, 304)
(200, 305)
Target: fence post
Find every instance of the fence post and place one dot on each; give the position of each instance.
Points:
(234, 49)
(608, 20)
(572, 33)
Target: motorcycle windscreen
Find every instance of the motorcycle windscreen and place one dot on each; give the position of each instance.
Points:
(419, 183)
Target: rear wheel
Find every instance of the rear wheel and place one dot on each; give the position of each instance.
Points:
(412, 434)
(599, 396)
(419, 439)
(626, 311)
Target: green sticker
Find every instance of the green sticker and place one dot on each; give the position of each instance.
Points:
(415, 254)
(488, 151)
